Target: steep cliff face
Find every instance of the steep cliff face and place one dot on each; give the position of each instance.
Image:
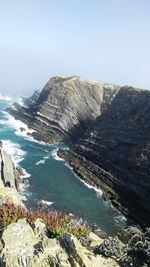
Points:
(8, 180)
(114, 153)
(65, 108)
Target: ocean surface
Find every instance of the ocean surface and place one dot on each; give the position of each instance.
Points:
(49, 179)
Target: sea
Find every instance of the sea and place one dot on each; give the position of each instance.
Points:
(48, 180)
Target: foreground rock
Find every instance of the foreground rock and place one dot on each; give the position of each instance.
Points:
(24, 246)
(114, 153)
(65, 108)
(130, 248)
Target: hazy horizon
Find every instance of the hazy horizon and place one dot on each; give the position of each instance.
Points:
(101, 40)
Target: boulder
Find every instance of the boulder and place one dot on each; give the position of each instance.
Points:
(24, 245)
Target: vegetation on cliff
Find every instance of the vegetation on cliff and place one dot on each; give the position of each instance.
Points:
(55, 222)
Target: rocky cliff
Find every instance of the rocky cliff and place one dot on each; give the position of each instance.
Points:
(65, 108)
(9, 175)
(24, 244)
(31, 100)
(114, 153)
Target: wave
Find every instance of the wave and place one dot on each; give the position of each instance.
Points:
(98, 191)
(24, 184)
(17, 155)
(55, 156)
(42, 161)
(25, 174)
(14, 150)
(5, 98)
(20, 127)
(45, 202)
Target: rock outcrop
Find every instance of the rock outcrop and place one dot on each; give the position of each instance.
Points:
(114, 153)
(8, 180)
(65, 108)
(24, 245)
(31, 100)
(131, 247)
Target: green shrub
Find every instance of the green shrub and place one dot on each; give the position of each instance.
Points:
(56, 224)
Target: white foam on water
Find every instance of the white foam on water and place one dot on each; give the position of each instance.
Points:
(17, 155)
(14, 150)
(19, 100)
(5, 98)
(98, 191)
(55, 156)
(42, 161)
(45, 202)
(24, 184)
(20, 127)
(120, 219)
(25, 174)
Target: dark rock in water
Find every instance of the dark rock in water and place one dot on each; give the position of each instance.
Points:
(22, 129)
(114, 153)
(65, 108)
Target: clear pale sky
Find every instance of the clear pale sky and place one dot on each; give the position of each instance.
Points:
(106, 40)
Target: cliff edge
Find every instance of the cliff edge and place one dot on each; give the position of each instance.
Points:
(65, 108)
(114, 153)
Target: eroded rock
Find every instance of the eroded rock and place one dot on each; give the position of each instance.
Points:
(25, 246)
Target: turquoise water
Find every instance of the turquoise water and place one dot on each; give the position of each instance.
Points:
(48, 178)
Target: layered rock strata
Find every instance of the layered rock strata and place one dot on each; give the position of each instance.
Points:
(31, 100)
(65, 108)
(114, 153)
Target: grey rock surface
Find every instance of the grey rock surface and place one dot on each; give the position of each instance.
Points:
(31, 100)
(24, 245)
(135, 251)
(65, 108)
(8, 171)
(114, 153)
(8, 180)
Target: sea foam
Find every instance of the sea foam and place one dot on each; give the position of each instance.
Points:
(14, 150)
(5, 98)
(55, 156)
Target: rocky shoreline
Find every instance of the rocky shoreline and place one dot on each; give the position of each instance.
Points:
(65, 108)
(24, 244)
(108, 128)
(114, 154)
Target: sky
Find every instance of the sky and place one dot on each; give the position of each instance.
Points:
(106, 40)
